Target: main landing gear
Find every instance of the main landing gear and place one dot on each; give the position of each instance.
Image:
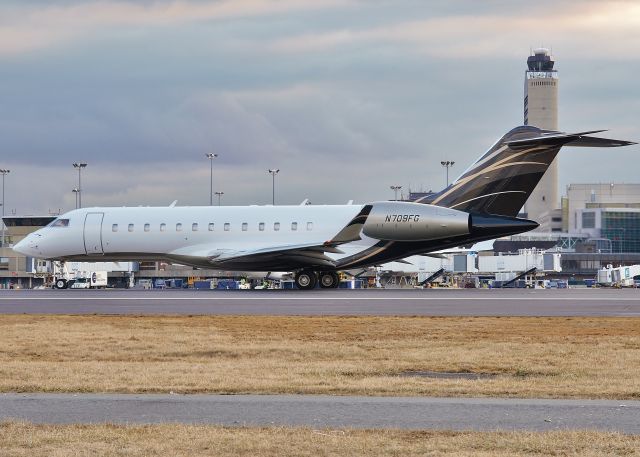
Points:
(307, 279)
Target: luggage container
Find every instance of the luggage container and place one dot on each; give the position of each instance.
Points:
(203, 285)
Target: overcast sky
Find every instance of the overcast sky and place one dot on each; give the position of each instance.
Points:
(346, 97)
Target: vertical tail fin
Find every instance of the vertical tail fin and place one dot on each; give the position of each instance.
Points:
(503, 178)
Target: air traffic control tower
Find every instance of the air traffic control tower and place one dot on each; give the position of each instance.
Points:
(541, 110)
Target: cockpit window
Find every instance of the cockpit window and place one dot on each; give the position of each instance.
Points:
(60, 223)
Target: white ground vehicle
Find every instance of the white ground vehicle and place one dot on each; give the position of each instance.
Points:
(63, 279)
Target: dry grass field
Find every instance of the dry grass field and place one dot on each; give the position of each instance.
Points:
(22, 440)
(531, 357)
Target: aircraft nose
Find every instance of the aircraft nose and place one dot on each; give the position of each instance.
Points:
(27, 246)
(20, 246)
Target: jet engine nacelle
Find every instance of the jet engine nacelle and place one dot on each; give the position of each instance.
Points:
(404, 221)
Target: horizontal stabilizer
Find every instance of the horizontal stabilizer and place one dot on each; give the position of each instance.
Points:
(567, 139)
(590, 141)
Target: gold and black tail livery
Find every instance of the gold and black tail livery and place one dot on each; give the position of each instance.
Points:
(503, 178)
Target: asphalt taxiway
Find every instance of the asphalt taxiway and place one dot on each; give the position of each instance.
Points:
(326, 411)
(371, 302)
(484, 414)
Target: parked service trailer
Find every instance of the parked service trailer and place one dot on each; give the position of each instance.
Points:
(93, 280)
(98, 279)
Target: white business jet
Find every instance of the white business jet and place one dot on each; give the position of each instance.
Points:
(314, 241)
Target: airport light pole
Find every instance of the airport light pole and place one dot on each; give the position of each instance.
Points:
(79, 166)
(447, 164)
(75, 190)
(4, 173)
(395, 190)
(274, 172)
(219, 194)
(211, 156)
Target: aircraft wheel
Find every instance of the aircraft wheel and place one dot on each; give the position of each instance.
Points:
(61, 284)
(306, 280)
(329, 280)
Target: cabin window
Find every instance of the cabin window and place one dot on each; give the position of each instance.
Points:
(147, 227)
(276, 226)
(227, 226)
(309, 226)
(245, 226)
(194, 227)
(163, 227)
(294, 226)
(114, 227)
(131, 227)
(211, 226)
(178, 227)
(261, 226)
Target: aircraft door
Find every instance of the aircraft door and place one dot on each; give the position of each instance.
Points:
(93, 233)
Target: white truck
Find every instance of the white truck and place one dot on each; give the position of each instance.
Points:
(63, 279)
(90, 280)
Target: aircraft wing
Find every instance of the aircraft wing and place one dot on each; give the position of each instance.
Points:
(292, 256)
(278, 257)
(284, 257)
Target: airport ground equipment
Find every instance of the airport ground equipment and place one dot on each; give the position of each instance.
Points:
(433, 277)
(622, 276)
(86, 275)
(520, 276)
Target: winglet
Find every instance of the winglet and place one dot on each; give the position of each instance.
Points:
(351, 232)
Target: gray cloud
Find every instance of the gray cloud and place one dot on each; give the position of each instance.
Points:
(345, 97)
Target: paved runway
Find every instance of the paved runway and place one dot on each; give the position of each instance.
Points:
(411, 302)
(326, 411)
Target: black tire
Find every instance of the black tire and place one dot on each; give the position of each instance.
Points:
(329, 280)
(306, 280)
(60, 284)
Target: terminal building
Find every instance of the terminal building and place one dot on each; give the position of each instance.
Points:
(608, 212)
(16, 268)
